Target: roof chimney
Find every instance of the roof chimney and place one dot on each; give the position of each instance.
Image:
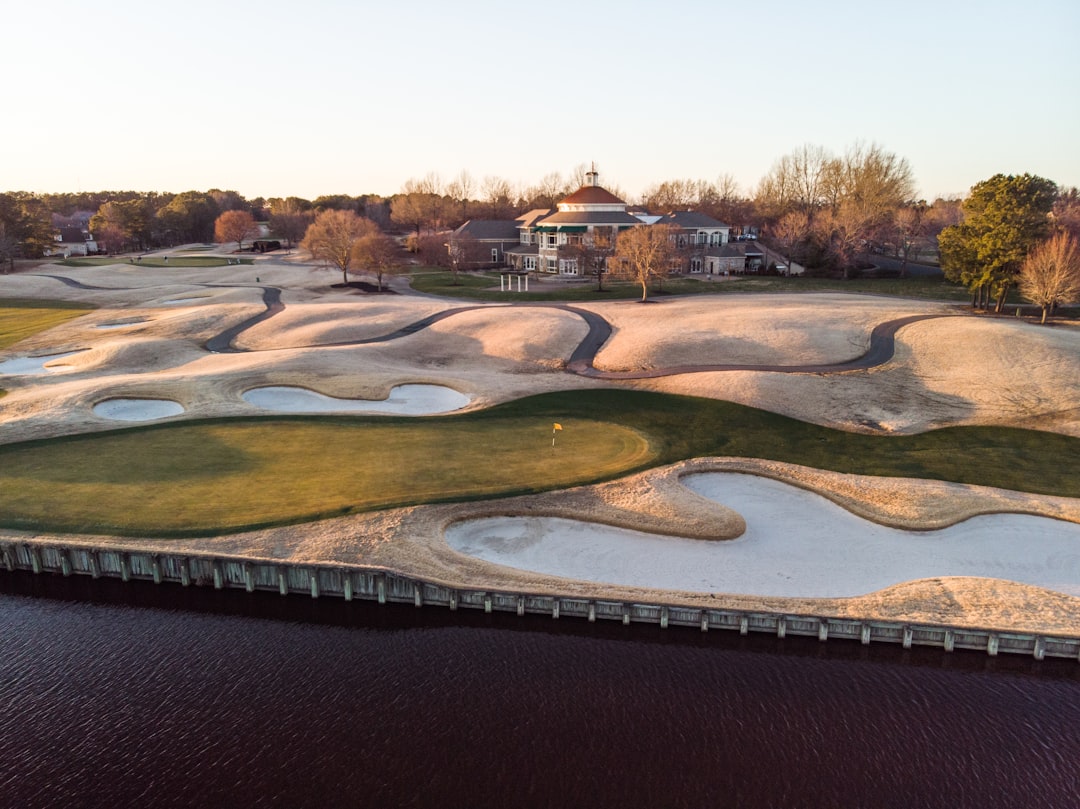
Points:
(591, 177)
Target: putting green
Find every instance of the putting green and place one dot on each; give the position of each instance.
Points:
(225, 475)
(220, 477)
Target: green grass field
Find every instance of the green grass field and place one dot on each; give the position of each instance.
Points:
(485, 287)
(226, 475)
(154, 261)
(20, 318)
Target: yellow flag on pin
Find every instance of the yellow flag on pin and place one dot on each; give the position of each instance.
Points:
(556, 426)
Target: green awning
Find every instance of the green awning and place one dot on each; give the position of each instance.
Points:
(573, 228)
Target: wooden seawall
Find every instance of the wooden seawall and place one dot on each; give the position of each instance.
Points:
(371, 584)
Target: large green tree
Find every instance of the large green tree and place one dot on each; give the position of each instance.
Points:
(119, 223)
(1004, 217)
(27, 225)
(189, 217)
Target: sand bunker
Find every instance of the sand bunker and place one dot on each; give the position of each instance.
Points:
(407, 400)
(797, 544)
(137, 409)
(35, 365)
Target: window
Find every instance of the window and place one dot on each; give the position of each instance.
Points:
(495, 254)
(552, 265)
(695, 265)
(569, 266)
(530, 262)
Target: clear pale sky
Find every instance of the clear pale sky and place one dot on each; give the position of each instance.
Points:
(314, 97)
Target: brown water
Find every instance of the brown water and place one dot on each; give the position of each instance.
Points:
(129, 695)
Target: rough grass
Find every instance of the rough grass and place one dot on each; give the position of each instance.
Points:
(485, 287)
(221, 476)
(153, 261)
(21, 318)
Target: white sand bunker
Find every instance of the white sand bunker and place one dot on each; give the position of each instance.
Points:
(408, 400)
(797, 544)
(35, 365)
(137, 409)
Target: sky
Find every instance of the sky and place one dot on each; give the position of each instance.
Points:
(279, 98)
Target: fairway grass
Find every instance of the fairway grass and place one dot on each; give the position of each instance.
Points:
(227, 475)
(21, 318)
(485, 287)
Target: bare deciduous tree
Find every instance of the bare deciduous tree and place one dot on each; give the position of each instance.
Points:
(334, 234)
(1050, 275)
(907, 229)
(644, 254)
(498, 198)
(461, 252)
(791, 232)
(289, 218)
(460, 191)
(377, 253)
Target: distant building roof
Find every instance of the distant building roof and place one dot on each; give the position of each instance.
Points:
(528, 219)
(592, 195)
(692, 220)
(523, 250)
(725, 251)
(589, 218)
(490, 229)
(74, 235)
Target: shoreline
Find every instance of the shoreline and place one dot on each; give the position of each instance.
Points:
(410, 543)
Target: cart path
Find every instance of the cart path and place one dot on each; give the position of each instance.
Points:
(881, 349)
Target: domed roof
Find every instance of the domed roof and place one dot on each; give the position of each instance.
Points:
(592, 195)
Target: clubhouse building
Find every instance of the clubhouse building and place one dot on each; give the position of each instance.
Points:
(586, 224)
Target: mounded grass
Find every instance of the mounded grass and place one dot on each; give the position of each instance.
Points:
(21, 318)
(485, 287)
(222, 476)
(153, 261)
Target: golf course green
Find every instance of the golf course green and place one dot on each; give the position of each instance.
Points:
(221, 476)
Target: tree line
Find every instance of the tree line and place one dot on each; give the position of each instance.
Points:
(829, 212)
